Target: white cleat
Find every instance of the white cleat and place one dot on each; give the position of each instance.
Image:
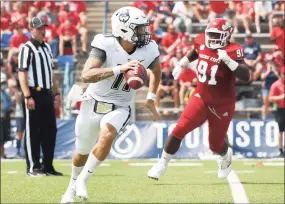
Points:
(225, 165)
(68, 196)
(81, 190)
(157, 171)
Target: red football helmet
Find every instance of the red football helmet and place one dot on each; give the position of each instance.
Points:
(218, 33)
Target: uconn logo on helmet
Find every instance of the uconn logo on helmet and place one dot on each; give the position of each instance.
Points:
(124, 16)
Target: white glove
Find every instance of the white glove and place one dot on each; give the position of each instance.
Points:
(223, 55)
(176, 71)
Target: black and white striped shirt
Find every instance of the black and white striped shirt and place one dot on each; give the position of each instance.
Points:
(36, 59)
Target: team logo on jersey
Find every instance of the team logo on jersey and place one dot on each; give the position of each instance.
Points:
(124, 16)
(226, 26)
(202, 47)
(127, 144)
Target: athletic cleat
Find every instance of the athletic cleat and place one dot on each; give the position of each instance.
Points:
(157, 171)
(225, 165)
(68, 196)
(81, 190)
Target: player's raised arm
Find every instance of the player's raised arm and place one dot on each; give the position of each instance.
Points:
(188, 58)
(240, 69)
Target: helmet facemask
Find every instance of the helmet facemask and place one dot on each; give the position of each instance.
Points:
(142, 34)
(216, 39)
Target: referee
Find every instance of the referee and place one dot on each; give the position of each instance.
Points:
(41, 98)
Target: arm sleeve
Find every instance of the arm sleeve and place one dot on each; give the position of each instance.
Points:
(24, 58)
(98, 53)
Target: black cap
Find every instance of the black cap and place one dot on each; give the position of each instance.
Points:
(37, 22)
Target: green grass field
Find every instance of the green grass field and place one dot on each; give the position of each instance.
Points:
(120, 182)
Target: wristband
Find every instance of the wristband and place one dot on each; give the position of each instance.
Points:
(27, 97)
(233, 65)
(184, 61)
(151, 96)
(116, 70)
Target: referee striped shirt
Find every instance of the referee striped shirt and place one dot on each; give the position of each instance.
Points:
(36, 59)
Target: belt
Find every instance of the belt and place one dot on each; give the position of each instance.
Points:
(39, 89)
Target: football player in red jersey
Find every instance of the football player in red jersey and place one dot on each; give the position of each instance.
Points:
(219, 63)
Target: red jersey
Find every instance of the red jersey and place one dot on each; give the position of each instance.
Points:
(277, 89)
(216, 82)
(18, 40)
(5, 21)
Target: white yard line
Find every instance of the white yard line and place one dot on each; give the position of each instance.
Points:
(103, 164)
(237, 172)
(169, 164)
(12, 172)
(238, 192)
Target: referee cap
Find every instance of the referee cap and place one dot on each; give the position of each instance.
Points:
(37, 22)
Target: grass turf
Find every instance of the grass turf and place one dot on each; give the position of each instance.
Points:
(120, 183)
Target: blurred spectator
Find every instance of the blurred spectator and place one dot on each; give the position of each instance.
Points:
(263, 11)
(201, 11)
(148, 5)
(218, 9)
(78, 6)
(164, 12)
(169, 38)
(48, 14)
(19, 16)
(52, 38)
(187, 81)
(177, 56)
(279, 9)
(278, 34)
(13, 66)
(168, 86)
(5, 114)
(39, 5)
(244, 13)
(277, 97)
(268, 77)
(18, 101)
(81, 26)
(184, 13)
(17, 40)
(67, 38)
(185, 44)
(5, 21)
(252, 51)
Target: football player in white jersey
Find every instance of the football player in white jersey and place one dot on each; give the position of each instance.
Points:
(105, 108)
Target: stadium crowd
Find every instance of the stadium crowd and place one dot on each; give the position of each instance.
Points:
(67, 28)
(171, 27)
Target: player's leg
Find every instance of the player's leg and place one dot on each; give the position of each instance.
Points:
(193, 116)
(280, 119)
(87, 129)
(110, 124)
(219, 120)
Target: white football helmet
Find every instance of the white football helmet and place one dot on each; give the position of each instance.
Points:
(132, 25)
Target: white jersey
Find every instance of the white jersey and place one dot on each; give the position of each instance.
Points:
(115, 89)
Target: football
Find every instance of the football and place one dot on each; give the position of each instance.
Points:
(136, 79)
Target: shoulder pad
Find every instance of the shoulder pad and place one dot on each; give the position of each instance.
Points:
(103, 41)
(153, 48)
(235, 51)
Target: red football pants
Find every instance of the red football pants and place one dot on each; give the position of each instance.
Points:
(196, 113)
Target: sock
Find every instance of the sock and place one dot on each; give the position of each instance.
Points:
(90, 166)
(18, 145)
(75, 171)
(165, 157)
